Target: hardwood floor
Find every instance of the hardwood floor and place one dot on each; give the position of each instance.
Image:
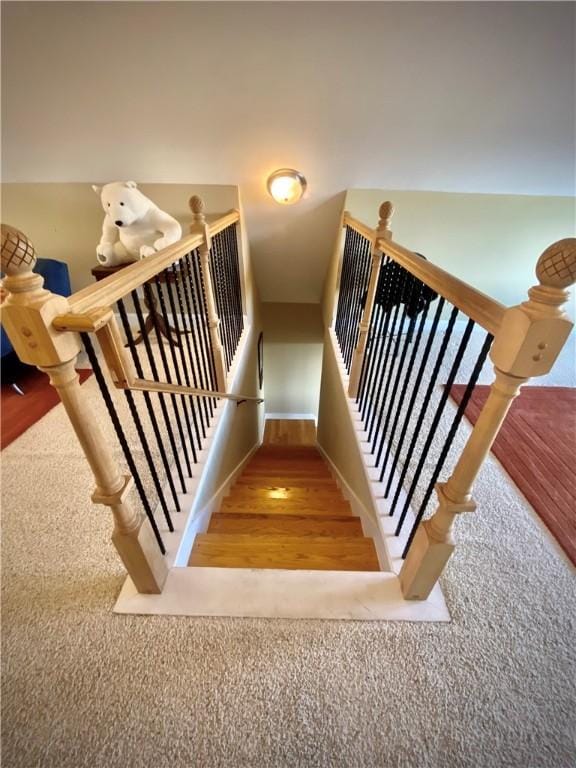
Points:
(286, 512)
(290, 432)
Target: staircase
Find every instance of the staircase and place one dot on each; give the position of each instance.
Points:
(285, 512)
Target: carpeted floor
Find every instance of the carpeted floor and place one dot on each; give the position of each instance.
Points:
(83, 688)
(536, 446)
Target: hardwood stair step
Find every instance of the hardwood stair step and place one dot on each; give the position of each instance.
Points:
(326, 553)
(275, 468)
(286, 492)
(287, 525)
(284, 507)
(287, 460)
(288, 452)
(283, 481)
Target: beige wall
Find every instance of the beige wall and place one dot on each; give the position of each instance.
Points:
(491, 241)
(64, 221)
(293, 343)
(466, 96)
(241, 428)
(335, 431)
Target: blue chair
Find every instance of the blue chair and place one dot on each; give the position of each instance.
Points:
(57, 280)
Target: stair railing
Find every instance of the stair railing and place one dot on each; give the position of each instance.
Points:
(190, 290)
(401, 323)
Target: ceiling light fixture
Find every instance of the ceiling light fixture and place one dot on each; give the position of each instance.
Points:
(286, 186)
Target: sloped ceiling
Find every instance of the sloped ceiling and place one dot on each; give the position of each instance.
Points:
(475, 97)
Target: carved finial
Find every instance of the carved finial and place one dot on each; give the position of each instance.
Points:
(556, 267)
(197, 206)
(386, 211)
(18, 254)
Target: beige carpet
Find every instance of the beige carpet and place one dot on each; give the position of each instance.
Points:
(83, 688)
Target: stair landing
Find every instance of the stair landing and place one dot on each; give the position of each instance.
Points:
(275, 591)
(285, 512)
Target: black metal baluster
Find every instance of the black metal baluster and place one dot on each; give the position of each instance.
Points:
(161, 395)
(194, 401)
(407, 379)
(186, 333)
(346, 285)
(352, 278)
(202, 331)
(423, 410)
(384, 302)
(413, 398)
(184, 399)
(218, 282)
(452, 432)
(353, 290)
(364, 264)
(233, 239)
(238, 281)
(204, 320)
(152, 303)
(410, 285)
(199, 362)
(368, 352)
(374, 335)
(121, 436)
(229, 295)
(148, 401)
(400, 278)
(217, 285)
(149, 457)
(230, 291)
(342, 288)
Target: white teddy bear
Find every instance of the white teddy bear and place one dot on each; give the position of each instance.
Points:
(134, 226)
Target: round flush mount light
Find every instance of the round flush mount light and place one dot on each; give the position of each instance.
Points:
(286, 186)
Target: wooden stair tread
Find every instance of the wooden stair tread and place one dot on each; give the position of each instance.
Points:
(286, 461)
(286, 552)
(284, 507)
(282, 481)
(288, 452)
(275, 490)
(287, 525)
(276, 469)
(297, 495)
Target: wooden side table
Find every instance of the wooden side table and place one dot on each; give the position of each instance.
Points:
(155, 317)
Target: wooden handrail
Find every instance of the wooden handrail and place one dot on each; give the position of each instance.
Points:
(358, 226)
(107, 291)
(144, 385)
(224, 221)
(484, 310)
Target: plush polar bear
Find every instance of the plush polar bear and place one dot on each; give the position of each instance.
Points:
(134, 226)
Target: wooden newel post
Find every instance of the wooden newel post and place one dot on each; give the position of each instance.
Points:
(199, 226)
(27, 316)
(527, 344)
(383, 232)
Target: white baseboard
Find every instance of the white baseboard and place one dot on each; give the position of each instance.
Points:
(370, 526)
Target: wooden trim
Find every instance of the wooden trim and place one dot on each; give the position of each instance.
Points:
(224, 221)
(143, 385)
(118, 362)
(106, 292)
(358, 226)
(484, 310)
